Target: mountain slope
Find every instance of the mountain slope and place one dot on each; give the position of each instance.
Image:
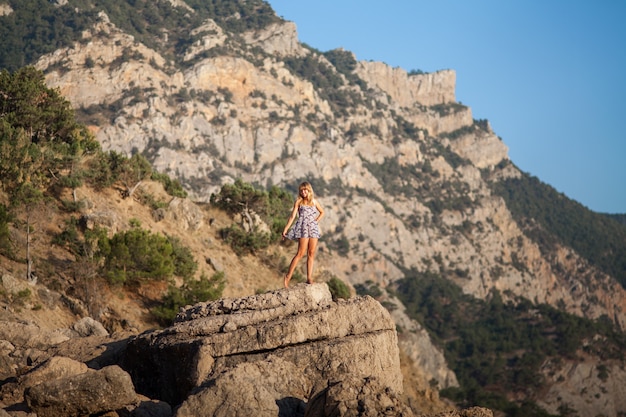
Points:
(214, 91)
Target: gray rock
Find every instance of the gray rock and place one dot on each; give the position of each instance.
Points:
(108, 219)
(88, 393)
(186, 213)
(253, 355)
(89, 327)
(55, 368)
(13, 285)
(49, 298)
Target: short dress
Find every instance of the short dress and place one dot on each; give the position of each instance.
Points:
(305, 226)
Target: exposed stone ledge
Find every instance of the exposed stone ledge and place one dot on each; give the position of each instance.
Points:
(301, 327)
(426, 89)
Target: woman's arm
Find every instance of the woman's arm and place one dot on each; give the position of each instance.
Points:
(319, 208)
(292, 217)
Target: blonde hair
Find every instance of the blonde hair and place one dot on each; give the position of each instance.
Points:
(307, 185)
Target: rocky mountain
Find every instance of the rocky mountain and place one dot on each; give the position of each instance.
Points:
(410, 181)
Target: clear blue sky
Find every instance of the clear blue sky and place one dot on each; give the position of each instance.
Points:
(549, 75)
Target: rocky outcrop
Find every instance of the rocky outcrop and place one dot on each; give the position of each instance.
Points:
(184, 212)
(278, 38)
(603, 383)
(435, 123)
(88, 73)
(264, 353)
(407, 90)
(484, 149)
(291, 352)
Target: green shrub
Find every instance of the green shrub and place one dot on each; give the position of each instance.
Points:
(22, 297)
(101, 169)
(243, 242)
(6, 248)
(338, 288)
(184, 264)
(69, 237)
(369, 288)
(137, 254)
(243, 199)
(341, 245)
(172, 187)
(24, 294)
(191, 292)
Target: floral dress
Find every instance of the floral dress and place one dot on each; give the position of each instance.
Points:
(305, 226)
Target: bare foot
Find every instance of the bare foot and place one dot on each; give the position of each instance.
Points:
(309, 282)
(286, 281)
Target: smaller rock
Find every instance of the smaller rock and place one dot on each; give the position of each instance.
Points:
(93, 392)
(49, 298)
(54, 368)
(13, 285)
(89, 327)
(158, 214)
(108, 219)
(217, 265)
(186, 213)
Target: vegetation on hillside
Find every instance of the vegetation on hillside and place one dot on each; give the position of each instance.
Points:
(37, 27)
(618, 217)
(345, 63)
(263, 215)
(41, 141)
(43, 152)
(327, 80)
(499, 348)
(549, 217)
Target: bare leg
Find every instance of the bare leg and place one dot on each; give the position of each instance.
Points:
(303, 243)
(310, 258)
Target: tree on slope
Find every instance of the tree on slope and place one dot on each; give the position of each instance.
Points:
(40, 144)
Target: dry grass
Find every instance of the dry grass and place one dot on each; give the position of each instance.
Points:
(119, 307)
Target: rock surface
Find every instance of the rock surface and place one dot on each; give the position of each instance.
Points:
(289, 352)
(238, 356)
(87, 393)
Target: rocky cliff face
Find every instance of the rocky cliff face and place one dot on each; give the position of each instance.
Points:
(402, 168)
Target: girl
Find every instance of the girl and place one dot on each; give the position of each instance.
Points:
(306, 230)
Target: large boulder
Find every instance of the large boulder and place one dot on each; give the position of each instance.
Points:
(266, 354)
